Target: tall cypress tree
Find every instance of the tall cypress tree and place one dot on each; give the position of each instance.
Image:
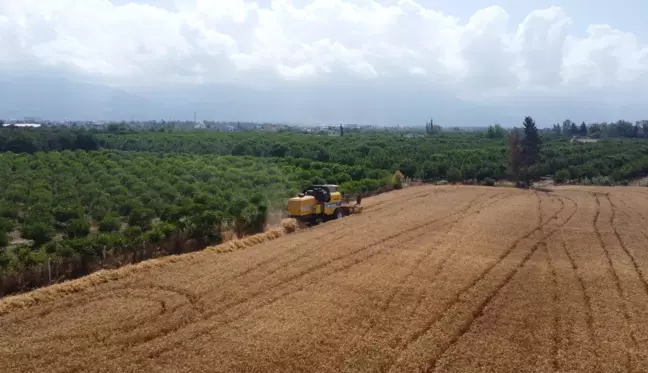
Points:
(530, 148)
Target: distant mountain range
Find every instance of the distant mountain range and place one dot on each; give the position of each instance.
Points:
(405, 103)
(56, 98)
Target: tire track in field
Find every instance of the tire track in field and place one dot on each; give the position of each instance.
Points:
(429, 253)
(482, 305)
(103, 334)
(419, 333)
(191, 297)
(642, 216)
(287, 282)
(308, 252)
(555, 337)
(439, 267)
(89, 297)
(205, 316)
(589, 313)
(278, 255)
(456, 299)
(354, 252)
(195, 299)
(208, 315)
(617, 280)
(635, 265)
(263, 304)
(378, 242)
(389, 204)
(556, 311)
(644, 196)
(274, 258)
(540, 215)
(479, 311)
(399, 286)
(631, 208)
(385, 239)
(192, 302)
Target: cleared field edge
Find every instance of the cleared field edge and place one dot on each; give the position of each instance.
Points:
(56, 291)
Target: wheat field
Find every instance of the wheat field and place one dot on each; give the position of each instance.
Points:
(426, 279)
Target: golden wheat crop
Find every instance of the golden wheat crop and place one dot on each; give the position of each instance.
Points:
(427, 279)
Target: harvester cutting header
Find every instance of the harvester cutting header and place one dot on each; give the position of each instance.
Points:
(320, 203)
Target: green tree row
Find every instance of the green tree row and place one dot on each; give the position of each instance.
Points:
(32, 140)
(618, 129)
(449, 156)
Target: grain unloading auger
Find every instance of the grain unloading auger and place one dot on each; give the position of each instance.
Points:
(320, 203)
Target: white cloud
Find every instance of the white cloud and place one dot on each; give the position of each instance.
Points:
(241, 41)
(607, 57)
(540, 41)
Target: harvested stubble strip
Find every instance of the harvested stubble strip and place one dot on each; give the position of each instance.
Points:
(57, 291)
(287, 226)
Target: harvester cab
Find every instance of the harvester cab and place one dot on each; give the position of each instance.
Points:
(319, 203)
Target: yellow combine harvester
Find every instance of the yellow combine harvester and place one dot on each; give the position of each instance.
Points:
(320, 203)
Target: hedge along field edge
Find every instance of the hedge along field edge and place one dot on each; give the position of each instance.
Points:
(56, 291)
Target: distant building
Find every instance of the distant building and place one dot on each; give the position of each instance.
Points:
(270, 127)
(413, 134)
(34, 125)
(583, 140)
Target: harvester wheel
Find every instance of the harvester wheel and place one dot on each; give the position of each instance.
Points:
(339, 214)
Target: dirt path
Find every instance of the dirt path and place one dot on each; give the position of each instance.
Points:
(427, 279)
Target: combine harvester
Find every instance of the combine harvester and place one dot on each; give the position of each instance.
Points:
(320, 203)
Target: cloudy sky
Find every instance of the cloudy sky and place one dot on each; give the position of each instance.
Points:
(505, 55)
